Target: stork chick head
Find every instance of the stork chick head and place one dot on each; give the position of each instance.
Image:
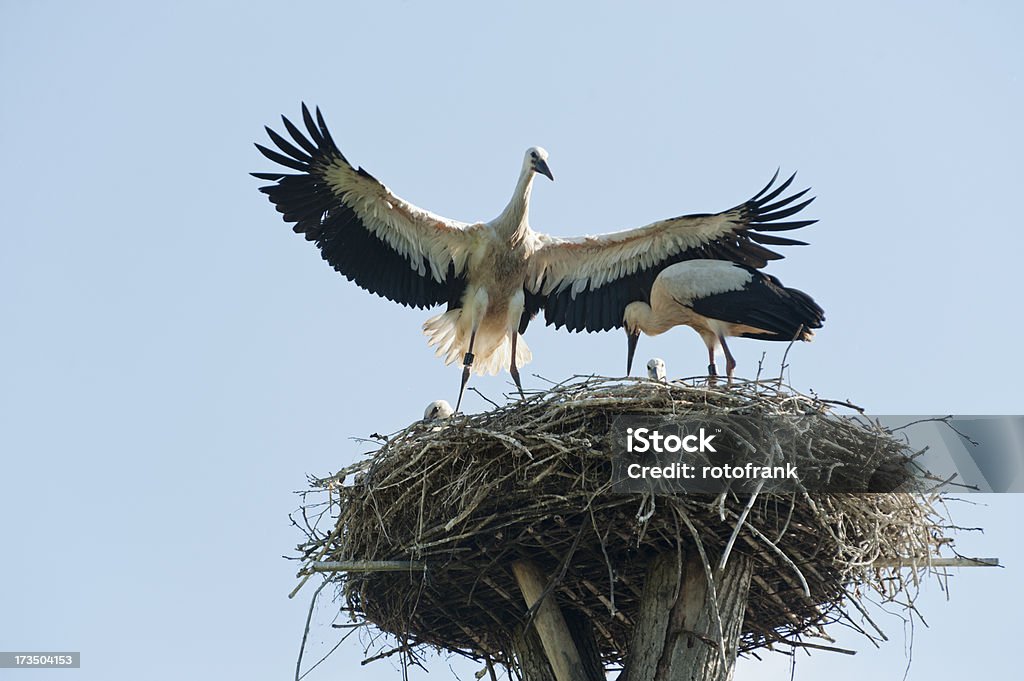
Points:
(656, 369)
(537, 161)
(438, 409)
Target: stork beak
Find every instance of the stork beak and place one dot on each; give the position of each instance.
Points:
(631, 339)
(541, 166)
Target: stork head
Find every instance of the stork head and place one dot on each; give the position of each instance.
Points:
(656, 369)
(537, 161)
(438, 409)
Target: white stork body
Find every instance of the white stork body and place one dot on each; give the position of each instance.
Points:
(496, 276)
(493, 301)
(719, 299)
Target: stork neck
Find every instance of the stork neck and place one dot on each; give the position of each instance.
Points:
(649, 321)
(513, 223)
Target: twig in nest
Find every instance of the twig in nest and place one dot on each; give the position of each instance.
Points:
(305, 631)
(485, 398)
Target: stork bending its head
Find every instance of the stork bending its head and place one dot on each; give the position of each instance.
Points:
(719, 299)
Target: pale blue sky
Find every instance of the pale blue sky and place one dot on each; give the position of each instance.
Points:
(175, 360)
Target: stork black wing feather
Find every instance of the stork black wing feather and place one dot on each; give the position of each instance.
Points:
(757, 196)
(314, 132)
(602, 308)
(273, 177)
(299, 137)
(784, 226)
(785, 313)
(282, 159)
(345, 242)
(785, 213)
(774, 240)
(533, 303)
(287, 147)
(785, 202)
(762, 198)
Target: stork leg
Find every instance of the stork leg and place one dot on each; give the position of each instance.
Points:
(712, 371)
(730, 362)
(513, 369)
(467, 365)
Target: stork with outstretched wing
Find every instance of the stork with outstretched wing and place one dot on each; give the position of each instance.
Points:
(495, 276)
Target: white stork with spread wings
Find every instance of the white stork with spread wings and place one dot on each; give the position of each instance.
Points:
(496, 276)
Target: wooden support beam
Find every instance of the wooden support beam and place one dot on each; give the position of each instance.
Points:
(550, 624)
(584, 636)
(530, 655)
(648, 641)
(926, 562)
(677, 636)
(686, 628)
(362, 566)
(697, 652)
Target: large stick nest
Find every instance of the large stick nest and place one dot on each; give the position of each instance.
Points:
(531, 480)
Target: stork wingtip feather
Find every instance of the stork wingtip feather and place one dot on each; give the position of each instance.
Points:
(299, 138)
(288, 148)
(768, 186)
(783, 202)
(314, 133)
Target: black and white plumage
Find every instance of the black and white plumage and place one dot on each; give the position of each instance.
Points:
(495, 276)
(719, 299)
(587, 282)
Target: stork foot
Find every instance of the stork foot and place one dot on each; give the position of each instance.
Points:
(515, 377)
(712, 374)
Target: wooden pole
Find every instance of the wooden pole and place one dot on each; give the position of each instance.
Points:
(530, 655)
(676, 636)
(550, 624)
(585, 637)
(697, 653)
(651, 625)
